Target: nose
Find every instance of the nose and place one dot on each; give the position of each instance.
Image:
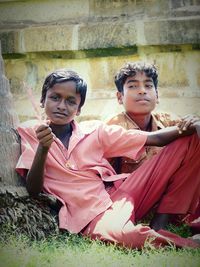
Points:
(142, 89)
(61, 105)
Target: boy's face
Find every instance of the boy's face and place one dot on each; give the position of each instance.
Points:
(139, 96)
(62, 103)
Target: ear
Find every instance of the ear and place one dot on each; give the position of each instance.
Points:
(78, 112)
(157, 100)
(119, 98)
(42, 105)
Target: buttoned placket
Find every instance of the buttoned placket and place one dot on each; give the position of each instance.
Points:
(65, 153)
(74, 140)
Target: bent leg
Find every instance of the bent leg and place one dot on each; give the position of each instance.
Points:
(166, 178)
(171, 178)
(114, 226)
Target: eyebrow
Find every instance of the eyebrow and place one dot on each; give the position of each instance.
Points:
(71, 97)
(147, 80)
(56, 93)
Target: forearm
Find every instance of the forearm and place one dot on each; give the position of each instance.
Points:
(35, 175)
(166, 136)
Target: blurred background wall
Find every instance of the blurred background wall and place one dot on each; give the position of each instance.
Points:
(96, 38)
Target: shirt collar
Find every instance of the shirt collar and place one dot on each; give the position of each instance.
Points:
(79, 132)
(87, 127)
(155, 123)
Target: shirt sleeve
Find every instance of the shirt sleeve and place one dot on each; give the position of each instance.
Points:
(28, 148)
(118, 142)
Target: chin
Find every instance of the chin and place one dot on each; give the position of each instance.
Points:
(57, 122)
(144, 110)
(140, 112)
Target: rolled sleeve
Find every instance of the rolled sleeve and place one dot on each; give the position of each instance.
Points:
(120, 142)
(29, 145)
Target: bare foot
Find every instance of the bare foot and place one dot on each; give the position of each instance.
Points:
(196, 238)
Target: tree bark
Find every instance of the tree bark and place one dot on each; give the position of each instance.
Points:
(9, 140)
(35, 217)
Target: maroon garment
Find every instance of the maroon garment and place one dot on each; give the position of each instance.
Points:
(127, 165)
(171, 179)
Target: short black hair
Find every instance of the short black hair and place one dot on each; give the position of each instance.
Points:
(131, 68)
(61, 76)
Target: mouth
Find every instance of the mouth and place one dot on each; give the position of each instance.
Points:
(142, 100)
(60, 114)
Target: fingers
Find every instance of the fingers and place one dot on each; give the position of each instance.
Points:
(45, 135)
(197, 126)
(187, 122)
(43, 130)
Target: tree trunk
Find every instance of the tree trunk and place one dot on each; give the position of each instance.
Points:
(9, 142)
(35, 217)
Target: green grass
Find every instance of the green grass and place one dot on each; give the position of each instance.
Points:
(182, 230)
(66, 250)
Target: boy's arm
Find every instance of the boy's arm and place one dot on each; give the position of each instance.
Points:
(167, 135)
(35, 175)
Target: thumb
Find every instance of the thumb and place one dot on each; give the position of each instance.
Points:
(48, 122)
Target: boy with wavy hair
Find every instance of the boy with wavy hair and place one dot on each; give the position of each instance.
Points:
(137, 91)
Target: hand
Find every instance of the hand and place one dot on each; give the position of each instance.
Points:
(188, 122)
(197, 127)
(45, 135)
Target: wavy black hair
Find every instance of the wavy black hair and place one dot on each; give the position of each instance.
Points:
(61, 76)
(131, 68)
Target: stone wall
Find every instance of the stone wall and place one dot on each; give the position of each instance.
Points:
(95, 38)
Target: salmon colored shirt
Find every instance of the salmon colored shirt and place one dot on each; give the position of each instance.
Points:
(158, 121)
(76, 175)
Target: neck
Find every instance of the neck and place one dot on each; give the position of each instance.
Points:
(61, 130)
(142, 121)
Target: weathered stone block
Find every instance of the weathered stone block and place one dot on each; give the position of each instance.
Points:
(34, 12)
(9, 41)
(172, 32)
(49, 38)
(103, 35)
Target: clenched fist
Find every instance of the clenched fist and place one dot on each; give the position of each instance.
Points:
(45, 135)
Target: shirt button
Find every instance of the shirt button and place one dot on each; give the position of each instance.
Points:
(68, 165)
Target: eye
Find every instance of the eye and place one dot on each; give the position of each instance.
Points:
(54, 97)
(149, 86)
(133, 86)
(71, 101)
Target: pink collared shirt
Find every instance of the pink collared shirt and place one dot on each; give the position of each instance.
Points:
(75, 175)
